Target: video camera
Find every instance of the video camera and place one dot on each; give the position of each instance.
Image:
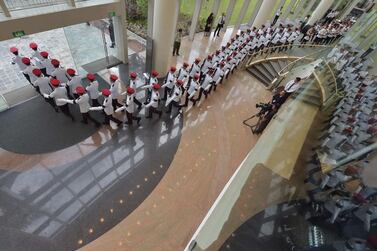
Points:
(264, 108)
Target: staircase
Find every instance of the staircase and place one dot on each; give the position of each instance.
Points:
(308, 93)
(267, 71)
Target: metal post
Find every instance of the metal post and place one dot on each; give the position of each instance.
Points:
(241, 16)
(229, 13)
(4, 8)
(255, 12)
(195, 18)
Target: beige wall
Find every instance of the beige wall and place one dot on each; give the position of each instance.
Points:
(49, 21)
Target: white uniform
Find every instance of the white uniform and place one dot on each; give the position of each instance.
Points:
(58, 94)
(92, 89)
(175, 96)
(130, 105)
(194, 88)
(37, 59)
(60, 74)
(154, 99)
(46, 63)
(83, 102)
(206, 64)
(114, 89)
(29, 71)
(207, 82)
(219, 73)
(195, 69)
(169, 81)
(18, 60)
(107, 105)
(182, 74)
(44, 85)
(291, 86)
(74, 82)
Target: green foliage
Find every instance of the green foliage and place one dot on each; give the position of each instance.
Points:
(143, 8)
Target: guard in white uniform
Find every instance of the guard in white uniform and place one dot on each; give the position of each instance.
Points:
(183, 75)
(153, 103)
(73, 83)
(195, 69)
(29, 69)
(149, 86)
(193, 91)
(115, 90)
(108, 109)
(46, 63)
(134, 85)
(83, 102)
(60, 96)
(17, 59)
(206, 84)
(92, 89)
(36, 56)
(218, 75)
(42, 85)
(59, 72)
(169, 82)
(175, 97)
(129, 106)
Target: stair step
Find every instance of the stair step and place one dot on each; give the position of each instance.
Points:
(275, 65)
(263, 72)
(257, 75)
(269, 69)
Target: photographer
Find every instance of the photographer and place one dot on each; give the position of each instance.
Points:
(265, 118)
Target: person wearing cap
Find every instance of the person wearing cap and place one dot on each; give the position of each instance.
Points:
(206, 84)
(46, 64)
(29, 70)
(216, 59)
(218, 75)
(129, 106)
(42, 85)
(195, 69)
(207, 63)
(73, 82)
(59, 94)
(154, 101)
(83, 101)
(192, 91)
(115, 90)
(175, 97)
(17, 59)
(92, 89)
(169, 82)
(149, 85)
(59, 72)
(36, 56)
(134, 84)
(108, 109)
(183, 75)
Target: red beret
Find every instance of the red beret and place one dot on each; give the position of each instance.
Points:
(113, 77)
(154, 73)
(33, 45)
(130, 90)
(106, 92)
(217, 52)
(196, 76)
(185, 64)
(55, 82)
(197, 60)
(209, 56)
(37, 72)
(80, 90)
(234, 54)
(180, 82)
(44, 54)
(71, 71)
(222, 63)
(133, 75)
(156, 86)
(55, 62)
(13, 49)
(173, 69)
(90, 76)
(25, 60)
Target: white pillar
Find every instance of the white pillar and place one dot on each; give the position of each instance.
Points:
(349, 9)
(264, 12)
(241, 16)
(320, 11)
(229, 13)
(299, 8)
(289, 8)
(255, 12)
(308, 8)
(215, 7)
(4, 8)
(195, 17)
(164, 23)
(120, 33)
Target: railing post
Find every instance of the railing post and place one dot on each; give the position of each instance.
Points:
(4, 8)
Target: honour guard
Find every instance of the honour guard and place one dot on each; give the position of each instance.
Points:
(108, 109)
(175, 97)
(115, 90)
(129, 106)
(153, 103)
(83, 102)
(92, 89)
(193, 91)
(60, 96)
(59, 72)
(169, 82)
(42, 85)
(134, 85)
(73, 83)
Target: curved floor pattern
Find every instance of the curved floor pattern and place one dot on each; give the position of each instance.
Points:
(46, 208)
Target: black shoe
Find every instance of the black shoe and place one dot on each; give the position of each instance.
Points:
(119, 124)
(97, 125)
(84, 122)
(128, 123)
(148, 117)
(168, 111)
(138, 121)
(104, 123)
(159, 115)
(178, 54)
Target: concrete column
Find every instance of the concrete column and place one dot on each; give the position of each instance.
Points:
(164, 24)
(215, 7)
(289, 8)
(255, 12)
(299, 8)
(264, 12)
(308, 8)
(120, 32)
(349, 8)
(320, 11)
(4, 8)
(195, 17)
(338, 4)
(229, 13)
(241, 16)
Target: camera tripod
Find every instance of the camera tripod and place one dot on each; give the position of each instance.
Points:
(252, 127)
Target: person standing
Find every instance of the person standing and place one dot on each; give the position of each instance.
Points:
(108, 109)
(92, 89)
(169, 82)
(42, 85)
(291, 87)
(59, 72)
(29, 70)
(207, 28)
(149, 85)
(111, 32)
(46, 63)
(18, 59)
(60, 96)
(220, 25)
(83, 102)
(133, 85)
(177, 42)
(192, 91)
(37, 57)
(175, 97)
(129, 106)
(371, 48)
(154, 101)
(277, 15)
(115, 90)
